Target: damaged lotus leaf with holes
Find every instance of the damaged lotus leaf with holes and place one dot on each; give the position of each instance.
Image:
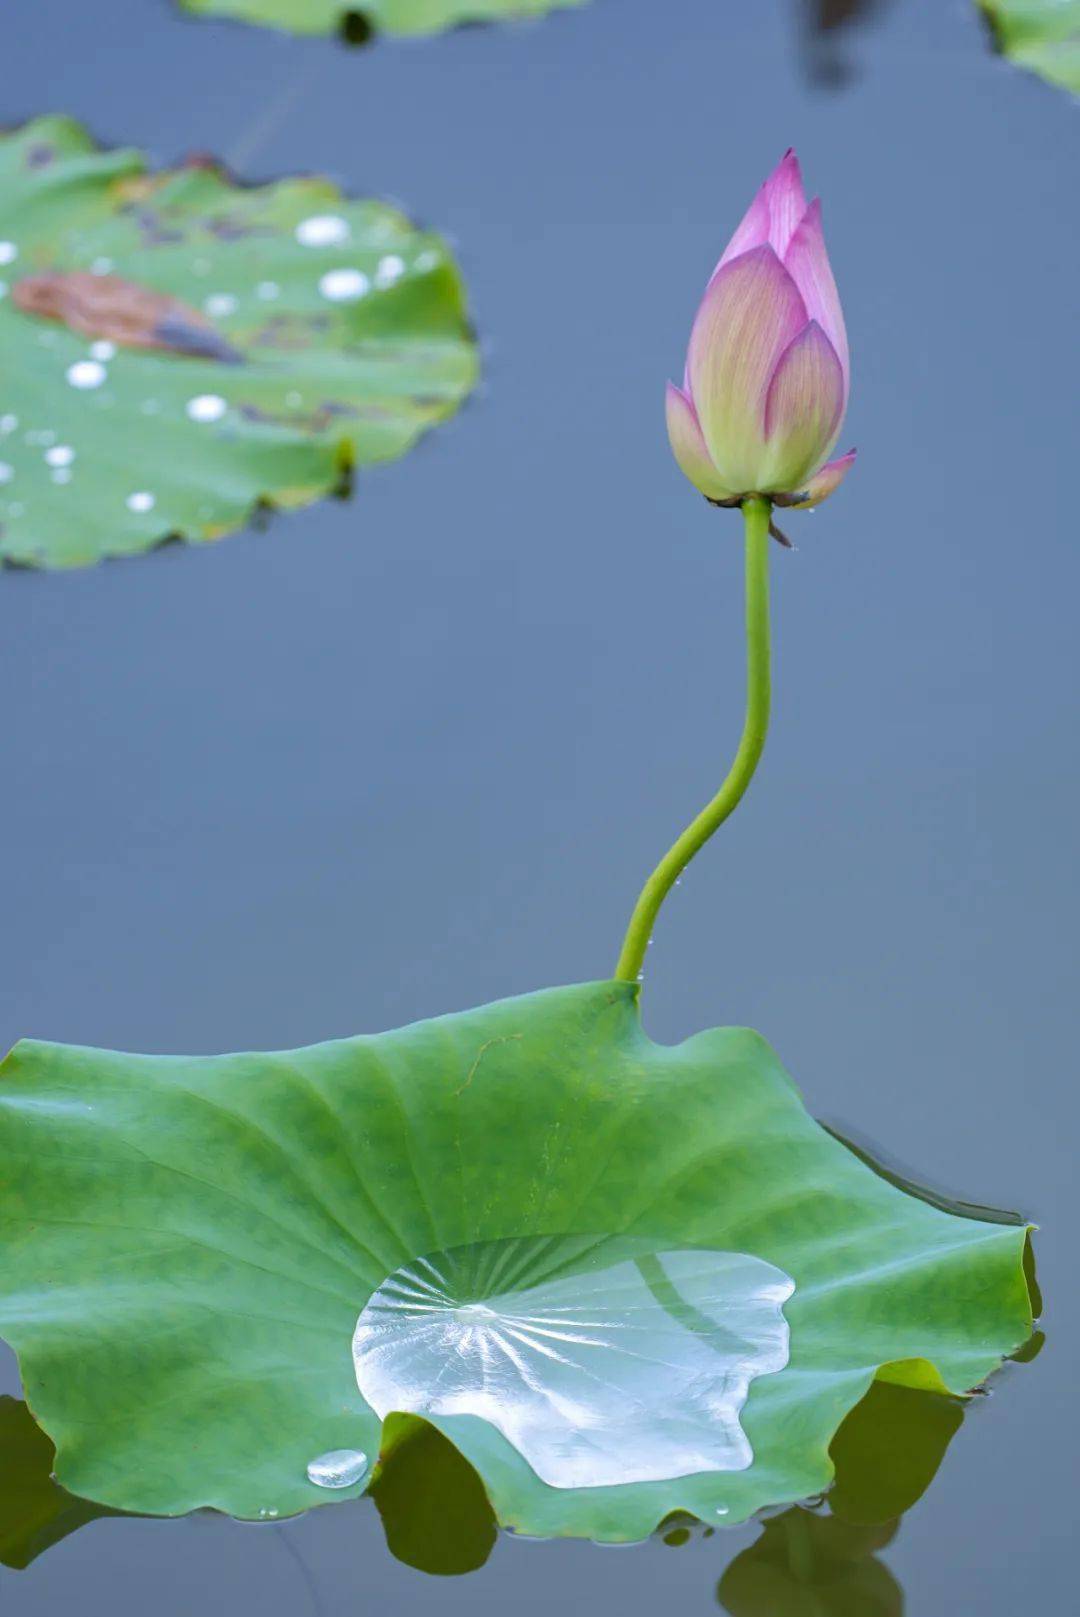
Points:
(385, 16)
(179, 350)
(1041, 35)
(624, 1280)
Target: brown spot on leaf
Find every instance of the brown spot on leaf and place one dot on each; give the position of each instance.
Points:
(235, 227)
(291, 331)
(123, 311)
(317, 420)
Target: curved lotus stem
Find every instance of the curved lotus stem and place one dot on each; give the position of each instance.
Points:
(757, 513)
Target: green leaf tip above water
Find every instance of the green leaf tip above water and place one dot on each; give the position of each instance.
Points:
(191, 1242)
(1041, 35)
(403, 17)
(180, 350)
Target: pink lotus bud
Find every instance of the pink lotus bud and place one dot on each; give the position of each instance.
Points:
(767, 370)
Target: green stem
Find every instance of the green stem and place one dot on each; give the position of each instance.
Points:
(757, 514)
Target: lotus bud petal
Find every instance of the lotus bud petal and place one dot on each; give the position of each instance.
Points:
(688, 446)
(767, 369)
(822, 484)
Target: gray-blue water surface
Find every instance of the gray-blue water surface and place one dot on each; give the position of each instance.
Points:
(396, 756)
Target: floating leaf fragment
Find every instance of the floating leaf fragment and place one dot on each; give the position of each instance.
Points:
(1041, 35)
(191, 1245)
(201, 348)
(383, 16)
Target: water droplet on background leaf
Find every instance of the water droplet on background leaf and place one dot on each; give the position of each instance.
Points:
(344, 285)
(322, 230)
(86, 373)
(206, 407)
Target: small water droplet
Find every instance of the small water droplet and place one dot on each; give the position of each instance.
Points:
(101, 266)
(426, 260)
(206, 407)
(140, 501)
(294, 400)
(340, 1468)
(62, 474)
(344, 285)
(723, 1510)
(60, 455)
(86, 373)
(219, 304)
(6, 472)
(322, 230)
(8, 423)
(103, 350)
(268, 291)
(391, 269)
(8, 252)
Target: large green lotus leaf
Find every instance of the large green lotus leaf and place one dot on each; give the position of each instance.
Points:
(190, 1245)
(1043, 35)
(341, 330)
(388, 16)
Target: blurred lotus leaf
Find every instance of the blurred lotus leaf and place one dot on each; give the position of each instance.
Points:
(1043, 35)
(180, 349)
(358, 17)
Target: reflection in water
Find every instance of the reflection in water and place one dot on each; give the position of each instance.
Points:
(819, 1562)
(824, 1562)
(805, 1565)
(825, 25)
(601, 1361)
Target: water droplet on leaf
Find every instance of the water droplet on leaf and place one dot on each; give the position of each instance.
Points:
(86, 373)
(339, 1468)
(556, 1343)
(206, 407)
(344, 285)
(322, 230)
